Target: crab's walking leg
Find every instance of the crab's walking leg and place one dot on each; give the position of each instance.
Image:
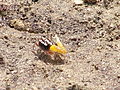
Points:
(35, 44)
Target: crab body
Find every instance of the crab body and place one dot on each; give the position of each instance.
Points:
(50, 47)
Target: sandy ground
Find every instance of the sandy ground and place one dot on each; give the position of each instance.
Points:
(90, 33)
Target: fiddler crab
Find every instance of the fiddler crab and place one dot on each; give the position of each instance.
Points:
(51, 47)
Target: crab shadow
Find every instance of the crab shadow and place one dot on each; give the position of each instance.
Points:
(55, 59)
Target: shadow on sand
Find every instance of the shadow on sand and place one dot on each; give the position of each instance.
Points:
(52, 59)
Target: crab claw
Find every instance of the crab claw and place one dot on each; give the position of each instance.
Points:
(58, 49)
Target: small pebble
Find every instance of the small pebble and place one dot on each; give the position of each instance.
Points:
(17, 23)
(78, 2)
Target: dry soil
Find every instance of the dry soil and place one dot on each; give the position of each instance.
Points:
(90, 33)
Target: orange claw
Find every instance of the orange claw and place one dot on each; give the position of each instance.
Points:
(59, 48)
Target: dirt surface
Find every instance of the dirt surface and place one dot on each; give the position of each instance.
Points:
(90, 33)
